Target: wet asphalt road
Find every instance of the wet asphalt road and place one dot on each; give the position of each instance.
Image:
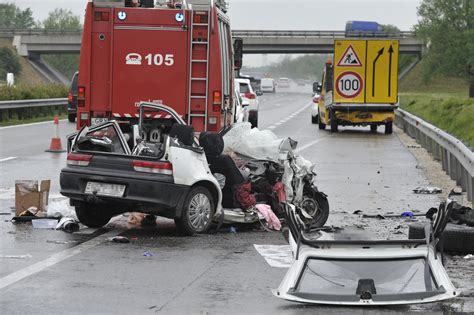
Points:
(221, 273)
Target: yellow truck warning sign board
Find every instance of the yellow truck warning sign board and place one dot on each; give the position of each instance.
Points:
(366, 71)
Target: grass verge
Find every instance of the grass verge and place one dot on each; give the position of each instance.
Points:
(452, 112)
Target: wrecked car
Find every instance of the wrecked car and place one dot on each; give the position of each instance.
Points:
(345, 270)
(158, 167)
(110, 172)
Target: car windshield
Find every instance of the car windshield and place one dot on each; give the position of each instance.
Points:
(349, 277)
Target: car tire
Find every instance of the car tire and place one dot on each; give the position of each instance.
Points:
(314, 119)
(388, 128)
(71, 117)
(92, 215)
(323, 210)
(457, 239)
(321, 125)
(333, 122)
(253, 120)
(373, 128)
(198, 212)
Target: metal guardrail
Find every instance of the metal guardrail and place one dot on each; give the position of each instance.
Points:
(456, 158)
(33, 103)
(321, 34)
(38, 31)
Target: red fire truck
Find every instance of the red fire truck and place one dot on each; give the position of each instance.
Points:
(176, 53)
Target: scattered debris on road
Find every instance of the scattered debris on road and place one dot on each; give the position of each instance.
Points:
(29, 194)
(427, 190)
(119, 239)
(43, 223)
(69, 225)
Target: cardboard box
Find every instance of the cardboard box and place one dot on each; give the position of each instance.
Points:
(28, 195)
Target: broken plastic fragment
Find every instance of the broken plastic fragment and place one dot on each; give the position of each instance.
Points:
(427, 190)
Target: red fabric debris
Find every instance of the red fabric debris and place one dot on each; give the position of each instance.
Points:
(243, 195)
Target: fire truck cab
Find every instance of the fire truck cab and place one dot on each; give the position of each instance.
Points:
(177, 53)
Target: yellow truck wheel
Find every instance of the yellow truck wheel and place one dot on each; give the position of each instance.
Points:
(388, 128)
(333, 121)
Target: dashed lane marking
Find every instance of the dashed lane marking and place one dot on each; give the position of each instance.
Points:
(55, 259)
(8, 159)
(284, 120)
(310, 144)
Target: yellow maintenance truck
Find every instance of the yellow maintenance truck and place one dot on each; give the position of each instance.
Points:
(360, 88)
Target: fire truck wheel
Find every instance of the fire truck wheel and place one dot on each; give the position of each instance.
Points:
(93, 216)
(373, 128)
(71, 117)
(197, 213)
(389, 128)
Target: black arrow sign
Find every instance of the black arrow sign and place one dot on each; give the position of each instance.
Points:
(380, 53)
(390, 51)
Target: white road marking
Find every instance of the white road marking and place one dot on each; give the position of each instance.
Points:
(278, 123)
(32, 124)
(272, 127)
(54, 259)
(309, 144)
(8, 159)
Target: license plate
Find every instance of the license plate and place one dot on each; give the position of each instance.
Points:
(102, 189)
(98, 120)
(364, 116)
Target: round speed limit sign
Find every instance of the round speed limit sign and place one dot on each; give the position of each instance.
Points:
(349, 84)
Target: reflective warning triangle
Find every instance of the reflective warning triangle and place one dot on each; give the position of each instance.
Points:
(349, 58)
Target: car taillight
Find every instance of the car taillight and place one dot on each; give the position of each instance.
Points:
(165, 168)
(78, 159)
(69, 97)
(250, 95)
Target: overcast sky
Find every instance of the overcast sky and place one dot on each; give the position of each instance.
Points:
(280, 14)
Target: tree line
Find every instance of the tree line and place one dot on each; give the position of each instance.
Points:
(447, 27)
(13, 17)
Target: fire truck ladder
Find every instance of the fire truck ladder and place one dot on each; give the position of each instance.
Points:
(199, 69)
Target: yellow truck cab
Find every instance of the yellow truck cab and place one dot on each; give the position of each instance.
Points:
(361, 88)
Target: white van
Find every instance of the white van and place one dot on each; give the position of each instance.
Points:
(267, 85)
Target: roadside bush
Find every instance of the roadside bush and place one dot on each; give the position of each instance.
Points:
(9, 62)
(21, 92)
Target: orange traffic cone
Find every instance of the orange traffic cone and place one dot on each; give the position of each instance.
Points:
(55, 145)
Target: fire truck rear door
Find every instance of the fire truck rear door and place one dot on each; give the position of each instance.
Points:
(149, 64)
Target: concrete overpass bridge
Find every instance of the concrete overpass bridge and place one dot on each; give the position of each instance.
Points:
(36, 42)
(33, 43)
